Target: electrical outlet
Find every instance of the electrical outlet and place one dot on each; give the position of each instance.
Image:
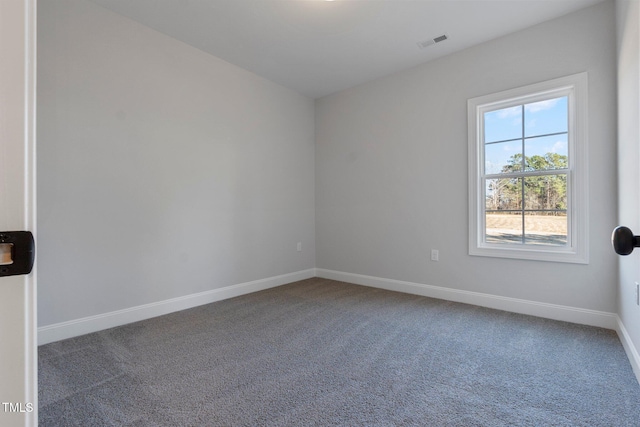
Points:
(435, 255)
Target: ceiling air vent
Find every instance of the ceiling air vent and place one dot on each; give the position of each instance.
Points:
(426, 43)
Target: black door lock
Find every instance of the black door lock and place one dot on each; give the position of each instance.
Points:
(18, 251)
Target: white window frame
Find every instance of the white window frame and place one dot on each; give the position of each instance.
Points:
(577, 248)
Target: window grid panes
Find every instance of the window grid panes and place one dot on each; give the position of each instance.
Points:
(525, 173)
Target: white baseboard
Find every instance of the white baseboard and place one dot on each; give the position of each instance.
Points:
(73, 328)
(550, 311)
(629, 348)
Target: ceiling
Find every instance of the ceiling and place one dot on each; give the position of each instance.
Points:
(318, 47)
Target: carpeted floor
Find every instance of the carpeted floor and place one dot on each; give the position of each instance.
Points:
(326, 353)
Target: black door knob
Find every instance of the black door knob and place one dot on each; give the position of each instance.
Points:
(624, 241)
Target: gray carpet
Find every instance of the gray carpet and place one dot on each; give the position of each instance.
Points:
(326, 353)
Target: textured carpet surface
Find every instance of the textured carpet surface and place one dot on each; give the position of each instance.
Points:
(326, 353)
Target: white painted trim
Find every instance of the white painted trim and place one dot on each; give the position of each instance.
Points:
(549, 311)
(31, 281)
(576, 88)
(18, 345)
(73, 328)
(629, 348)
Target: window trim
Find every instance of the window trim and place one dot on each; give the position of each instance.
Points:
(577, 248)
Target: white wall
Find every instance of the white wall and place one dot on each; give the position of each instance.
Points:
(391, 167)
(628, 14)
(165, 172)
(162, 171)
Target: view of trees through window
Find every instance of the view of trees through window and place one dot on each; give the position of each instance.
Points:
(526, 167)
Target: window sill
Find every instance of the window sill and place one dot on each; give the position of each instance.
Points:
(530, 254)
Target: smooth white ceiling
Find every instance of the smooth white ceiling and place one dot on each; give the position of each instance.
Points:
(318, 47)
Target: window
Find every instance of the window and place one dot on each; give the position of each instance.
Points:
(527, 172)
